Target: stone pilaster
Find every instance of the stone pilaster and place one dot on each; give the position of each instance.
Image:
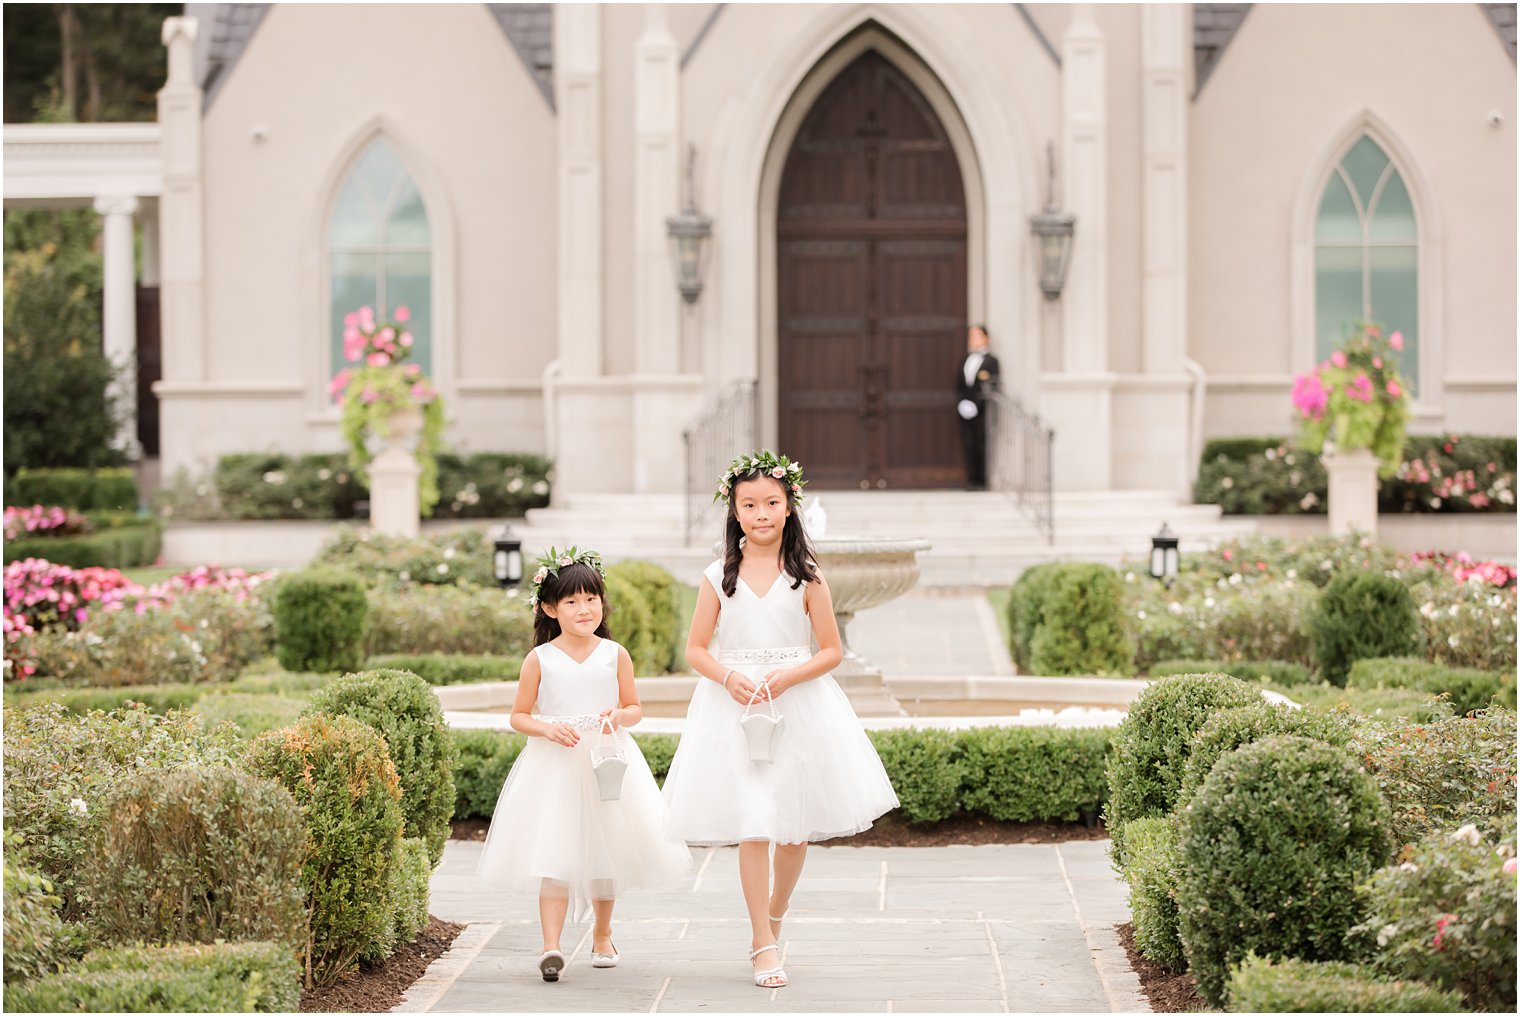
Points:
(578, 94)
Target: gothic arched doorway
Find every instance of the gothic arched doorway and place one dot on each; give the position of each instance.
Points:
(871, 287)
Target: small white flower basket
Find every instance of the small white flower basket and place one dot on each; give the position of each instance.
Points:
(608, 768)
(762, 730)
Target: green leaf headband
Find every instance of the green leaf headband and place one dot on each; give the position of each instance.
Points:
(553, 560)
(766, 463)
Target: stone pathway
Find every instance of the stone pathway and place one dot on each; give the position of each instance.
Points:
(932, 633)
(1004, 928)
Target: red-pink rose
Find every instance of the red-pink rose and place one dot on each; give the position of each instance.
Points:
(1338, 358)
(402, 314)
(1396, 341)
(1394, 389)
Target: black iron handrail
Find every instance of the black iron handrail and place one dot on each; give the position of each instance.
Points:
(726, 427)
(1021, 459)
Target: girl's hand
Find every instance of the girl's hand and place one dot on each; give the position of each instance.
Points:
(741, 689)
(562, 733)
(777, 681)
(615, 715)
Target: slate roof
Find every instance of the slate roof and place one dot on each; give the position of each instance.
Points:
(1214, 25)
(1503, 17)
(530, 28)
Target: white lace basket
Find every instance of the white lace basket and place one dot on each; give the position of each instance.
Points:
(762, 730)
(608, 769)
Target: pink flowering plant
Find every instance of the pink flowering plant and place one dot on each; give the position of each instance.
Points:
(377, 385)
(1356, 398)
(44, 520)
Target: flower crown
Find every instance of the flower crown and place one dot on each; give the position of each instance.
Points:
(767, 463)
(553, 560)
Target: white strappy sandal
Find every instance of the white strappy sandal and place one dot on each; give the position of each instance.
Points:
(761, 976)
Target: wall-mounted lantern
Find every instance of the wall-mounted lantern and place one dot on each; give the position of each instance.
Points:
(1053, 231)
(688, 234)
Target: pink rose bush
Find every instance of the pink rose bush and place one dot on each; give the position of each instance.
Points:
(1356, 398)
(377, 385)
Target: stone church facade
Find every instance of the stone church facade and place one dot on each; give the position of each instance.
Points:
(1244, 180)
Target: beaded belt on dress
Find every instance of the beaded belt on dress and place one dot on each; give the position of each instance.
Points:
(788, 654)
(582, 721)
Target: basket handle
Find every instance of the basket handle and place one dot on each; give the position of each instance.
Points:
(598, 752)
(768, 700)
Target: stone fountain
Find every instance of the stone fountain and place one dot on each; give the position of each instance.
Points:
(863, 572)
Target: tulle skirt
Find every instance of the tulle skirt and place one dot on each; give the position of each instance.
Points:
(552, 834)
(826, 779)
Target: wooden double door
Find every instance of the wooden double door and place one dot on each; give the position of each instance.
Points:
(871, 287)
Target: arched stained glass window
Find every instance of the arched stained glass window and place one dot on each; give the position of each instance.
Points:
(380, 246)
(1366, 254)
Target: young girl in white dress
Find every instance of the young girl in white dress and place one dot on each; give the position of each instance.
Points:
(552, 833)
(767, 603)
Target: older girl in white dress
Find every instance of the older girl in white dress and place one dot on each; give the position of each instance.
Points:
(553, 833)
(767, 602)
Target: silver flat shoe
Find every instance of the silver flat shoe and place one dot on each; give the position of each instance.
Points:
(604, 960)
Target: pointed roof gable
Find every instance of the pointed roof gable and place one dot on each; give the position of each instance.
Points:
(1214, 25)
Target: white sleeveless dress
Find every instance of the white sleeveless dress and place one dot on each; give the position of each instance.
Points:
(826, 779)
(551, 831)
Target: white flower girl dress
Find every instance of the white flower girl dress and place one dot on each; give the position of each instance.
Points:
(552, 833)
(825, 778)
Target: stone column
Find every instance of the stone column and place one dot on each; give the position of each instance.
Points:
(1084, 173)
(578, 91)
(181, 247)
(119, 314)
(147, 272)
(656, 189)
(1164, 107)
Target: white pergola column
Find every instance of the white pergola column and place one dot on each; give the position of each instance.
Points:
(578, 90)
(1164, 106)
(119, 314)
(147, 272)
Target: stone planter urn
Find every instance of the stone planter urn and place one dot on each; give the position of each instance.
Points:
(1353, 489)
(393, 474)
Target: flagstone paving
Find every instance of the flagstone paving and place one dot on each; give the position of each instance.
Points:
(1003, 928)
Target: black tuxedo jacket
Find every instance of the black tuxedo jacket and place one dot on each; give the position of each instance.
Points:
(986, 380)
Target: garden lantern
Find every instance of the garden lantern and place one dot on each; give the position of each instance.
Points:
(1165, 560)
(688, 234)
(1053, 231)
(507, 561)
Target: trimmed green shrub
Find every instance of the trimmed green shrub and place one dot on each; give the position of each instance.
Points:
(1468, 689)
(1271, 851)
(631, 625)
(1447, 915)
(1026, 610)
(658, 750)
(85, 489)
(1360, 615)
(448, 668)
(1152, 743)
(1291, 985)
(656, 589)
(1387, 705)
(253, 714)
(156, 698)
(403, 709)
(1278, 672)
(409, 890)
(1082, 629)
(1245, 616)
(1443, 774)
(1033, 774)
(443, 619)
(349, 797)
(232, 977)
(319, 618)
(926, 770)
(1225, 731)
(36, 939)
(127, 546)
(199, 855)
(274, 486)
(483, 760)
(1151, 871)
(491, 485)
(61, 771)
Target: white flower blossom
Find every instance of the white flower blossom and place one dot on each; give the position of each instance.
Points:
(541, 487)
(1208, 601)
(1174, 607)
(514, 485)
(1140, 614)
(443, 569)
(1227, 483)
(1454, 610)
(1451, 640)
(1129, 576)
(448, 553)
(78, 806)
(405, 576)
(275, 477)
(1292, 573)
(1409, 867)
(1386, 933)
(324, 474)
(1468, 834)
(1235, 579)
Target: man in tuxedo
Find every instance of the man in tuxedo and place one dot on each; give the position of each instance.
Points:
(978, 376)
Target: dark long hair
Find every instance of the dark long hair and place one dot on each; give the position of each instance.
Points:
(571, 579)
(796, 550)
